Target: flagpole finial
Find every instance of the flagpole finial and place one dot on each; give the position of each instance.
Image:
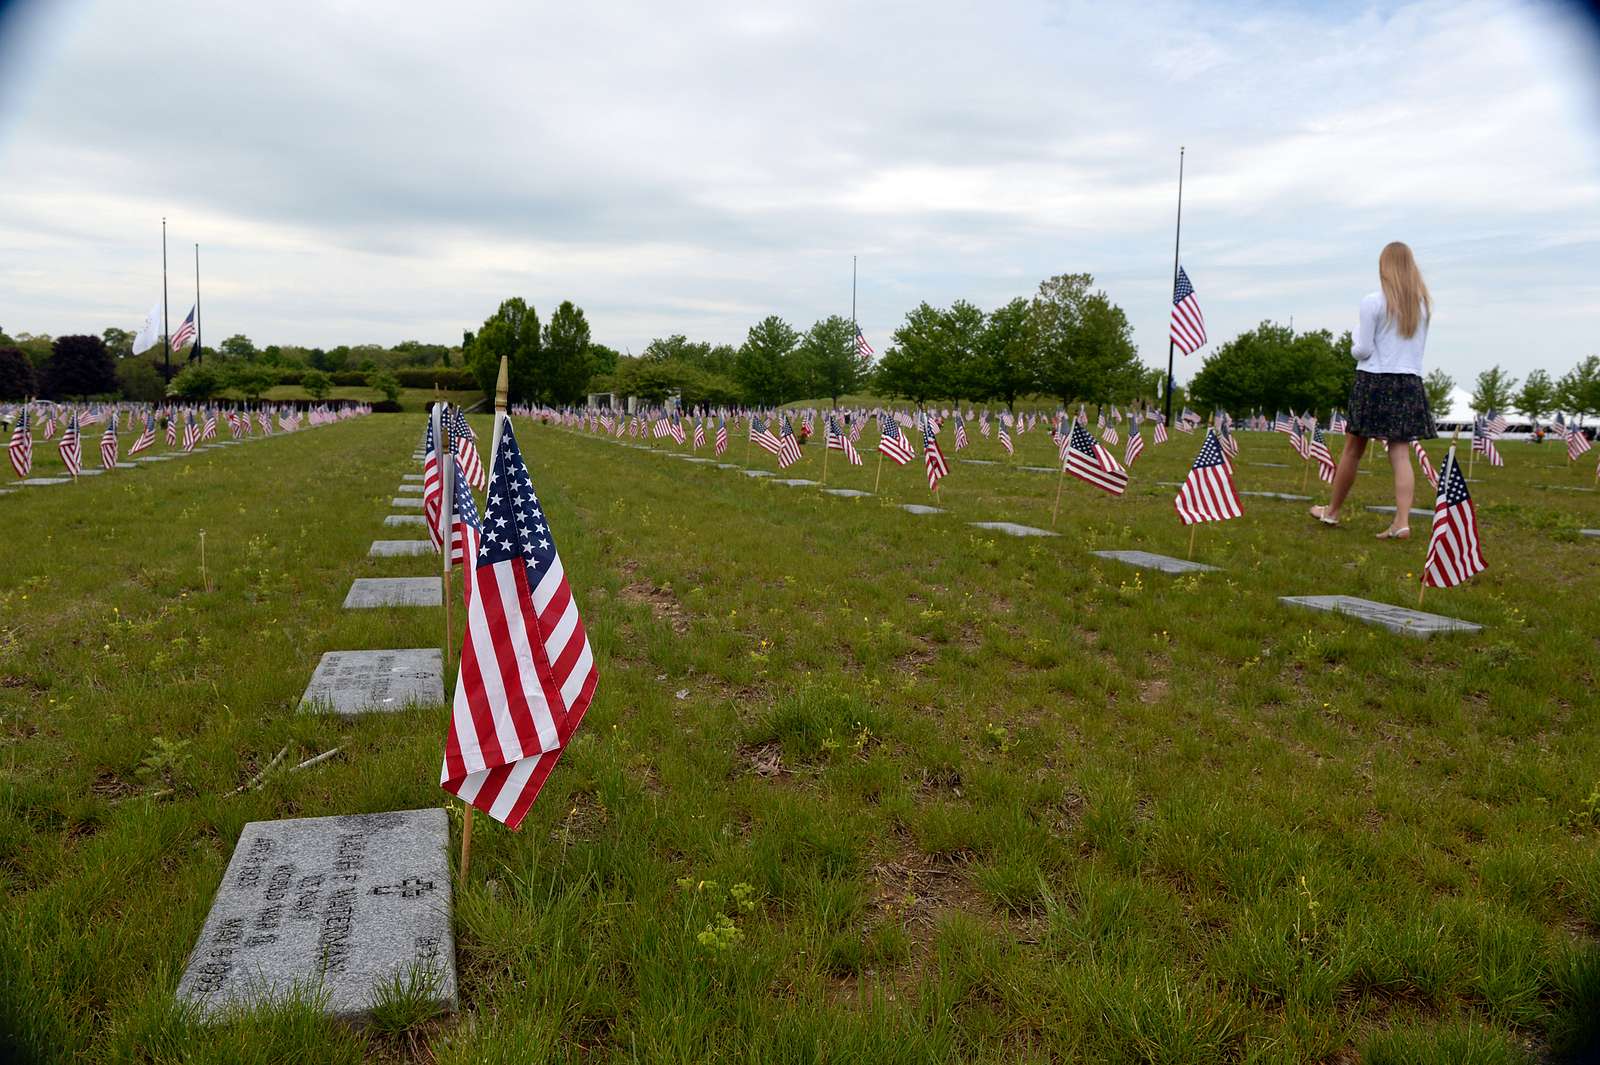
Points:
(502, 385)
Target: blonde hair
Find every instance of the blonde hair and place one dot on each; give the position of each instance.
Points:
(1409, 304)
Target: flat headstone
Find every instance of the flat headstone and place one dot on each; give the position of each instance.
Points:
(405, 519)
(1566, 488)
(45, 480)
(1286, 497)
(406, 501)
(726, 466)
(409, 489)
(399, 548)
(919, 508)
(1416, 512)
(1394, 618)
(94, 472)
(979, 462)
(702, 460)
(758, 473)
(156, 458)
(1011, 528)
(354, 682)
(1148, 560)
(368, 592)
(1039, 469)
(796, 482)
(1169, 484)
(1271, 465)
(1589, 532)
(411, 477)
(848, 493)
(339, 906)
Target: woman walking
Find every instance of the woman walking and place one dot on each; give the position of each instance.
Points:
(1388, 401)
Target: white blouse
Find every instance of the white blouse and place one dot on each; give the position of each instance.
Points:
(1378, 345)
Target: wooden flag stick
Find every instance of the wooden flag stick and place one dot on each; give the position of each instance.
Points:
(1060, 480)
(1192, 530)
(879, 475)
(824, 454)
(1422, 588)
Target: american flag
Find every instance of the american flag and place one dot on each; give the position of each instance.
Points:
(466, 530)
(932, 456)
(191, 432)
(172, 428)
(1188, 324)
(892, 442)
(1111, 436)
(722, 435)
(788, 446)
(1207, 493)
(462, 435)
(21, 446)
(108, 444)
(1317, 447)
(1336, 423)
(1483, 443)
(185, 333)
(763, 436)
(699, 434)
(1135, 446)
(1005, 433)
(1087, 459)
(210, 430)
(1285, 423)
(527, 674)
(1230, 443)
(1160, 435)
(1187, 420)
(1425, 463)
(50, 425)
(675, 429)
(1453, 551)
(862, 347)
(961, 433)
(983, 425)
(1577, 443)
(838, 441)
(71, 454)
(147, 437)
(432, 488)
(1497, 423)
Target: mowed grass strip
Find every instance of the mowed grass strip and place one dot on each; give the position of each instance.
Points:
(857, 785)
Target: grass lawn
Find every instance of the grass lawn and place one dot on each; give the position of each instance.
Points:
(857, 785)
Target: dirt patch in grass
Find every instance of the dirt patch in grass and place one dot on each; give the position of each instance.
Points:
(762, 759)
(663, 604)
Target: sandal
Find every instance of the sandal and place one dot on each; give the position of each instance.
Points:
(1320, 512)
(1392, 533)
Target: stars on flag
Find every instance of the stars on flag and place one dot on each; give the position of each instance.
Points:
(1453, 550)
(1207, 493)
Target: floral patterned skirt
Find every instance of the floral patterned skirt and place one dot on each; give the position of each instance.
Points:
(1390, 406)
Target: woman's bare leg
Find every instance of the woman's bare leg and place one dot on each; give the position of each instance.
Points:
(1345, 475)
(1405, 483)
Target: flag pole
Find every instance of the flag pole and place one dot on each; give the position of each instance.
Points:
(1177, 236)
(446, 517)
(1193, 528)
(199, 348)
(1060, 480)
(166, 334)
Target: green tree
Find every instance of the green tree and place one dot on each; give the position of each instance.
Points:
(1083, 343)
(605, 359)
(250, 379)
(567, 362)
(763, 368)
(17, 380)
(1493, 390)
(915, 364)
(316, 383)
(829, 353)
(676, 348)
(118, 341)
(196, 381)
(1537, 397)
(1438, 385)
(79, 367)
(237, 346)
(961, 328)
(386, 383)
(140, 381)
(1272, 368)
(1578, 391)
(511, 332)
(1007, 361)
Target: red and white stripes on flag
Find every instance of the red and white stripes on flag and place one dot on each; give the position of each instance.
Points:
(20, 449)
(433, 483)
(527, 673)
(1087, 459)
(838, 441)
(70, 448)
(1426, 464)
(1188, 324)
(1577, 443)
(1207, 494)
(1453, 550)
(108, 444)
(932, 456)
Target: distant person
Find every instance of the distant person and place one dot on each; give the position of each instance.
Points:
(1388, 401)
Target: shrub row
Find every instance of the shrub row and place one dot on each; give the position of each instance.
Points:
(450, 378)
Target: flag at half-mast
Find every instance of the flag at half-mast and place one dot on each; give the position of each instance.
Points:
(186, 332)
(527, 674)
(1188, 324)
(862, 347)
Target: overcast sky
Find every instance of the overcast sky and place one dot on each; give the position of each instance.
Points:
(372, 173)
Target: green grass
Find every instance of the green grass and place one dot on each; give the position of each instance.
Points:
(933, 793)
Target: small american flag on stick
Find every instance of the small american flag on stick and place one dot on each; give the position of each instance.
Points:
(1207, 493)
(1453, 551)
(527, 674)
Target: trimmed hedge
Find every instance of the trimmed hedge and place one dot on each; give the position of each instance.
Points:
(449, 378)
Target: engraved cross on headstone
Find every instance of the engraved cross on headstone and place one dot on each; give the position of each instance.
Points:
(409, 888)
